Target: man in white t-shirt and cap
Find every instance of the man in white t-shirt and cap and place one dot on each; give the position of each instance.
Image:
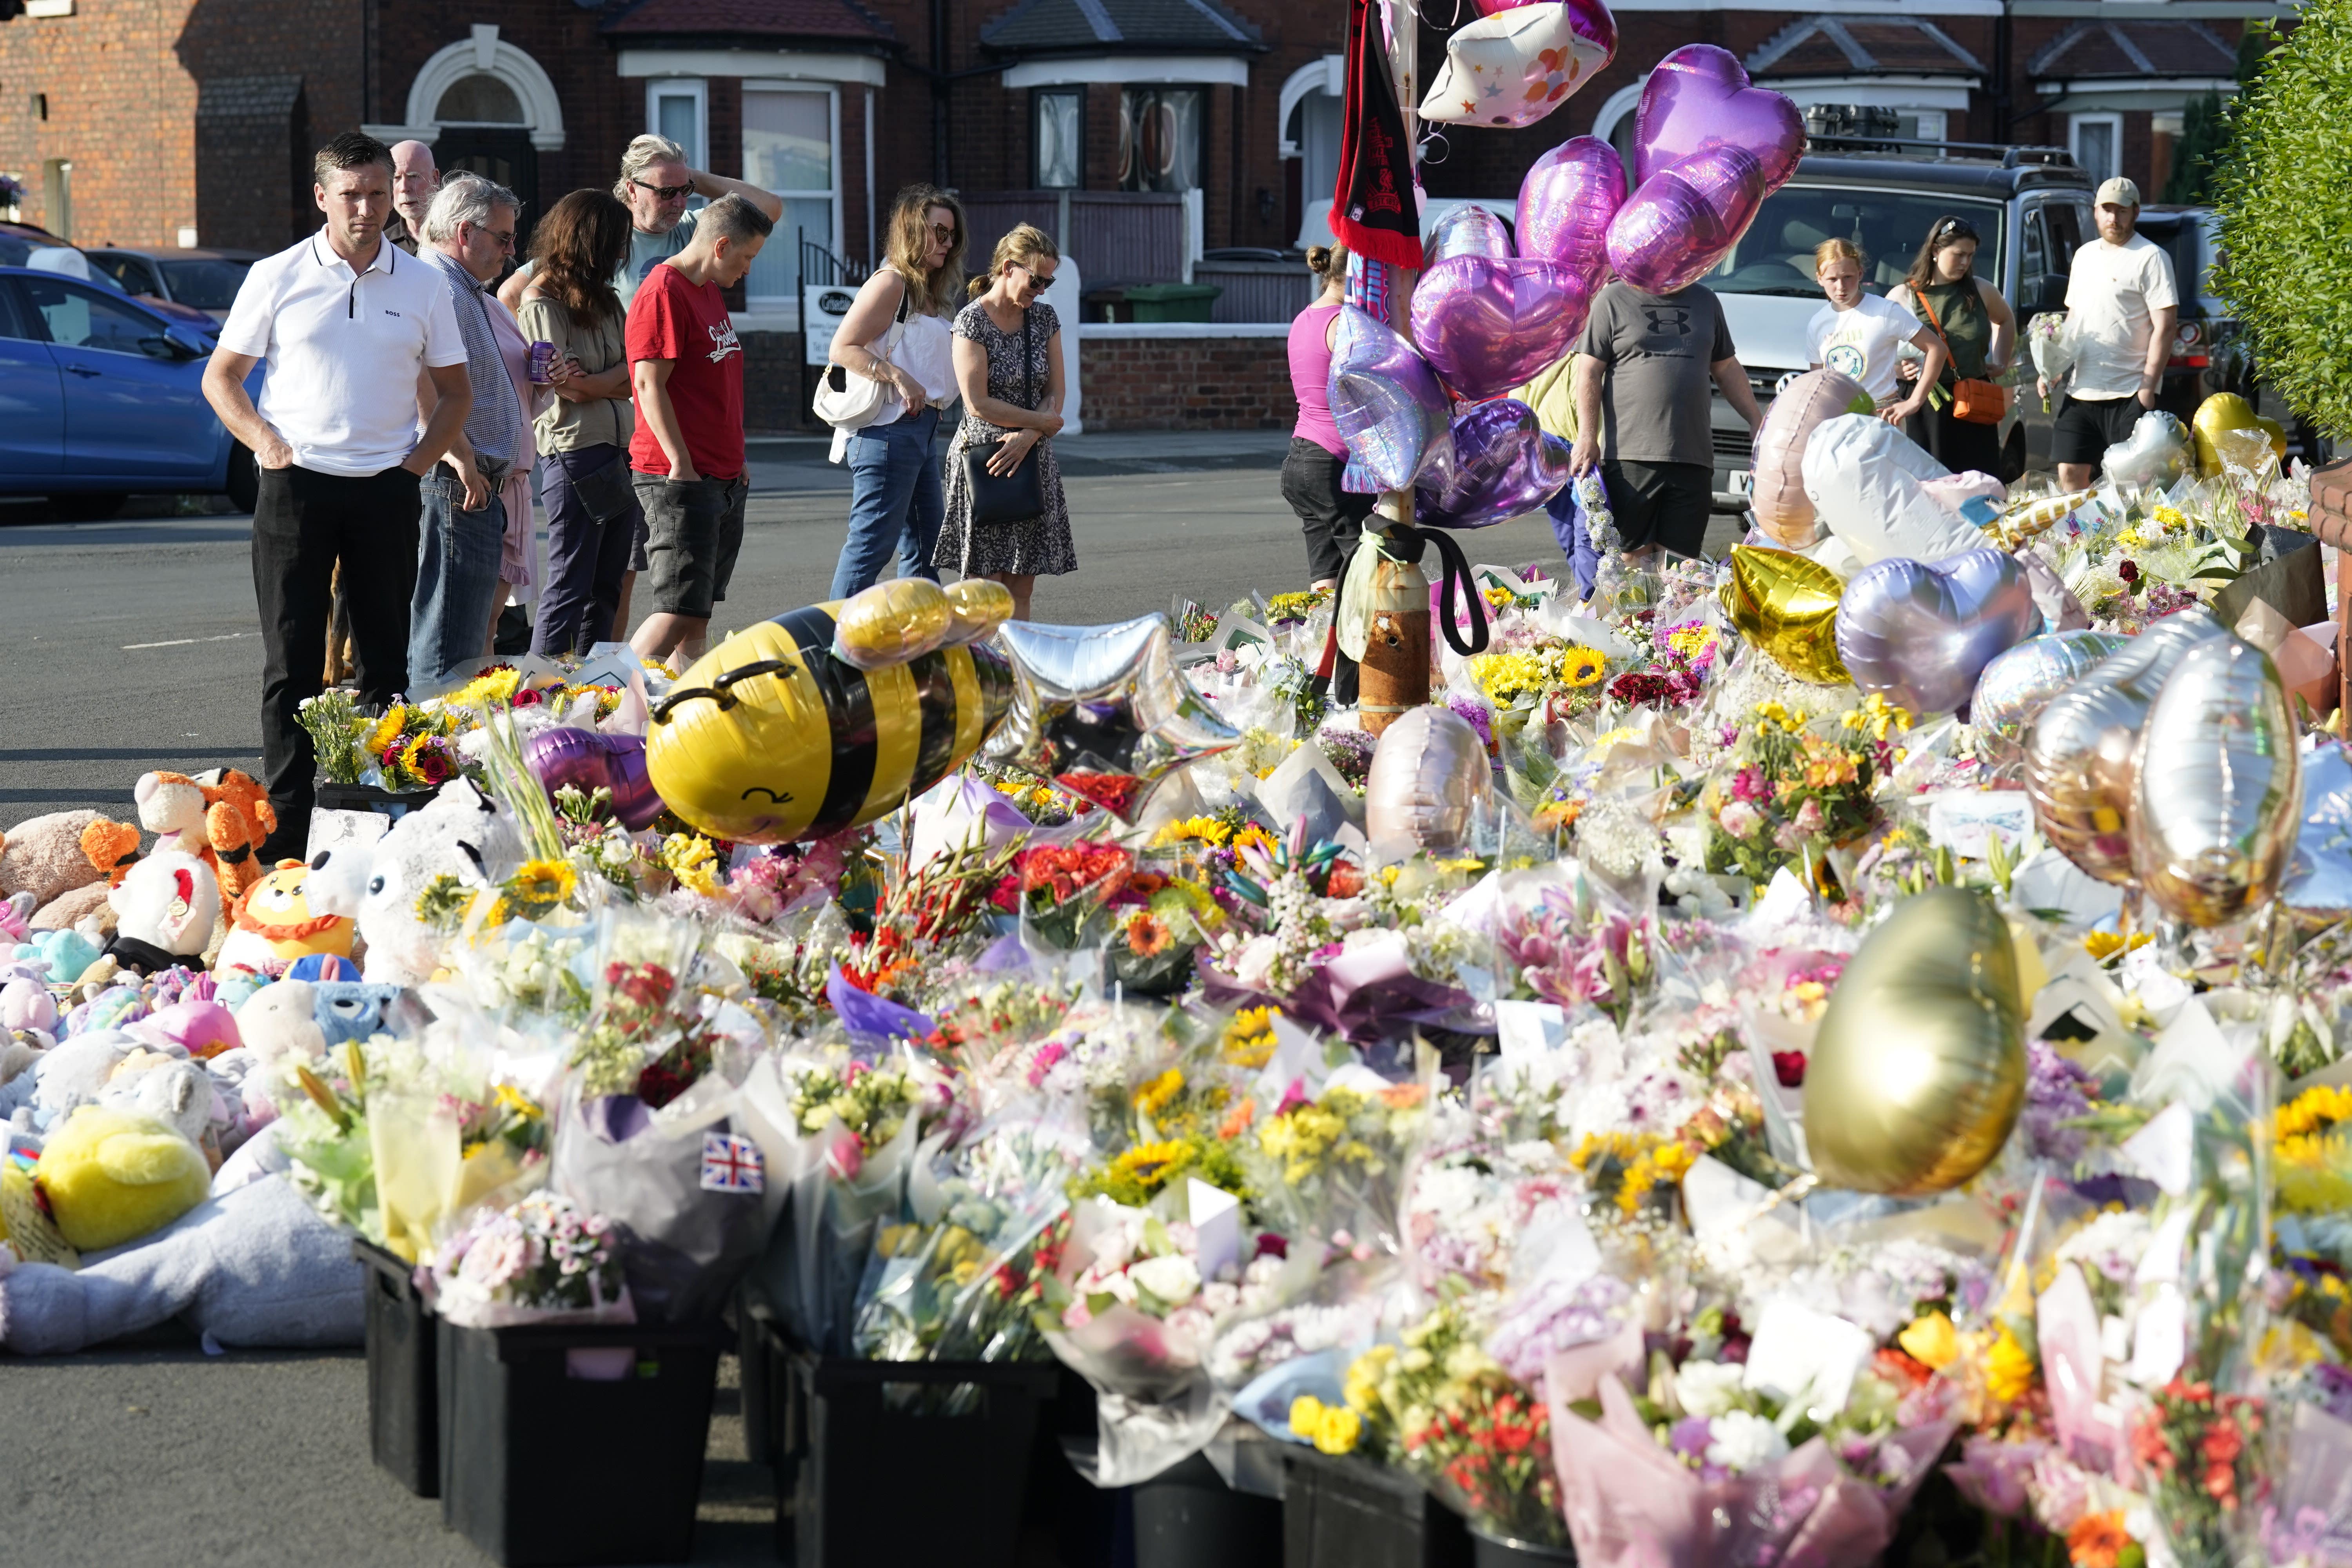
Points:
(347, 322)
(2122, 305)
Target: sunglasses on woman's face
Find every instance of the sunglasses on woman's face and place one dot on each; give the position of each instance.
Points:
(1036, 284)
(944, 232)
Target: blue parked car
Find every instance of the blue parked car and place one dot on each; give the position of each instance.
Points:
(101, 395)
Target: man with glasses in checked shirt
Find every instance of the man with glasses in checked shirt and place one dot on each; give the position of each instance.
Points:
(655, 185)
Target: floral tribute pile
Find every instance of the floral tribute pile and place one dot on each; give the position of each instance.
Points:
(1483, 1158)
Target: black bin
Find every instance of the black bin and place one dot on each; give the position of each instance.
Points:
(1186, 1517)
(545, 1462)
(1342, 1511)
(404, 1420)
(851, 1437)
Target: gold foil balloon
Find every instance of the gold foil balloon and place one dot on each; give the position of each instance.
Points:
(2222, 411)
(1787, 605)
(2221, 785)
(2016, 687)
(1429, 780)
(1919, 1071)
(980, 605)
(2276, 432)
(2080, 757)
(891, 622)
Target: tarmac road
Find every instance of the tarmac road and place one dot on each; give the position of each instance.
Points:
(132, 645)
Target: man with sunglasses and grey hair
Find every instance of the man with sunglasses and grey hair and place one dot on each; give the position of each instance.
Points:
(655, 185)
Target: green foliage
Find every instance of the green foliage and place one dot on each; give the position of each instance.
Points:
(2284, 196)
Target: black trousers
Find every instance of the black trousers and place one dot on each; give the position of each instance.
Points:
(1333, 522)
(303, 523)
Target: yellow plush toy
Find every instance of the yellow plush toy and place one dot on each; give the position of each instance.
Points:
(112, 1177)
(274, 925)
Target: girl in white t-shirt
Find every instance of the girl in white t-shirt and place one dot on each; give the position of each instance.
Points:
(1861, 335)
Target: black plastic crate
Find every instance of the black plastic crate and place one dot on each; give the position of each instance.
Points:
(1344, 1511)
(850, 1437)
(543, 1463)
(1497, 1552)
(403, 1395)
(1186, 1517)
(395, 802)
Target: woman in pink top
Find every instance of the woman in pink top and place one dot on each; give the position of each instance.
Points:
(1332, 519)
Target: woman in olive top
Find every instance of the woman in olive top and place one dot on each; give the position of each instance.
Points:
(1969, 313)
(594, 527)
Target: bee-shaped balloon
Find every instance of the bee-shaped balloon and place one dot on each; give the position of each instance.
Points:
(831, 716)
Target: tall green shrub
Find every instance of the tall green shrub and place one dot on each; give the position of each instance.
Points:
(2284, 194)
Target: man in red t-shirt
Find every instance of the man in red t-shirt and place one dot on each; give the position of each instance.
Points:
(688, 453)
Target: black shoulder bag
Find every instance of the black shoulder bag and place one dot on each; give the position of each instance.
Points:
(1017, 496)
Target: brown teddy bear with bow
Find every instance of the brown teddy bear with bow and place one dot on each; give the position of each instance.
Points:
(222, 817)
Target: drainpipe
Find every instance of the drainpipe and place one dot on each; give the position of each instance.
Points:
(2003, 119)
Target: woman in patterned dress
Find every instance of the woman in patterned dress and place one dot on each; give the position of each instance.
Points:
(988, 352)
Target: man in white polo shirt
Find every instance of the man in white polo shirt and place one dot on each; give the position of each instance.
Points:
(346, 321)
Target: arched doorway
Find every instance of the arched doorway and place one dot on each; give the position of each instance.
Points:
(490, 109)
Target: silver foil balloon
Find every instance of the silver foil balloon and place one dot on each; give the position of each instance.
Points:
(1921, 632)
(2158, 451)
(1388, 404)
(2016, 687)
(1468, 230)
(1489, 324)
(2320, 884)
(1505, 465)
(2221, 783)
(591, 759)
(1429, 780)
(1103, 712)
(1566, 201)
(2080, 766)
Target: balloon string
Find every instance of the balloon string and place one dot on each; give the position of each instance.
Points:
(1438, 139)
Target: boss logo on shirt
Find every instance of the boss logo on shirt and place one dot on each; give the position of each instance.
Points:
(722, 341)
(394, 314)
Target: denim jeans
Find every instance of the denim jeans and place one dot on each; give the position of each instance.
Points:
(586, 560)
(895, 503)
(457, 557)
(303, 523)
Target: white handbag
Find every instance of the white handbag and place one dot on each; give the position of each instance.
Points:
(850, 401)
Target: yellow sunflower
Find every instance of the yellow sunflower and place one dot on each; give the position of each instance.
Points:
(388, 730)
(1583, 666)
(540, 885)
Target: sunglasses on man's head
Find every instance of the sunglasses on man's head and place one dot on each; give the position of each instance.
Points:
(667, 193)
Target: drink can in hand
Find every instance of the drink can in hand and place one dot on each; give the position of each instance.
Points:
(543, 361)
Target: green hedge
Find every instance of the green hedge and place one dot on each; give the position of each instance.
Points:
(2285, 193)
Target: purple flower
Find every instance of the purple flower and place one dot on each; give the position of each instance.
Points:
(1690, 1436)
(2054, 1094)
(1477, 715)
(1992, 1474)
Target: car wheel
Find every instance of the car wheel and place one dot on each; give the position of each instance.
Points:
(89, 508)
(244, 477)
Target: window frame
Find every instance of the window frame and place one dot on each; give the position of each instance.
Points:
(697, 156)
(2109, 117)
(1037, 96)
(790, 305)
(100, 300)
(1200, 129)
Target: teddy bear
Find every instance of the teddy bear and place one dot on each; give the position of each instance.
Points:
(170, 1089)
(42, 856)
(112, 1175)
(222, 817)
(274, 924)
(460, 834)
(281, 1020)
(164, 912)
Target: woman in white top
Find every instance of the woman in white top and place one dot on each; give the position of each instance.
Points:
(894, 500)
(1861, 335)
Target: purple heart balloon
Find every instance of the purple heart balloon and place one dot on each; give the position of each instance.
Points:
(1566, 201)
(1921, 632)
(1490, 325)
(1504, 466)
(1468, 230)
(1698, 98)
(1685, 218)
(1588, 19)
(1387, 402)
(589, 760)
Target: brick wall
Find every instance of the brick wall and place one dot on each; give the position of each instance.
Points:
(772, 403)
(1185, 384)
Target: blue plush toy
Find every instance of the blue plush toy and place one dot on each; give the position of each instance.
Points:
(350, 1010)
(68, 954)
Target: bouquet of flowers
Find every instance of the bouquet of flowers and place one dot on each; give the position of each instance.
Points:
(1798, 787)
(2051, 339)
(409, 748)
(541, 1262)
(1333, 1163)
